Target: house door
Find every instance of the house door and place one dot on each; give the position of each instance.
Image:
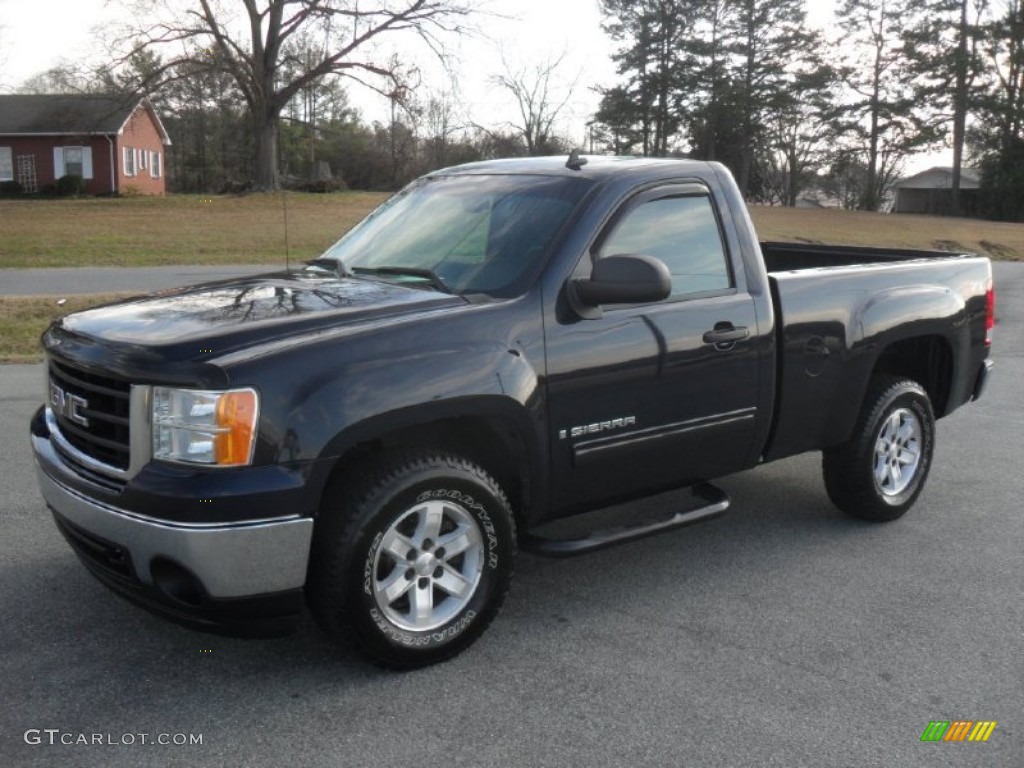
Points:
(27, 173)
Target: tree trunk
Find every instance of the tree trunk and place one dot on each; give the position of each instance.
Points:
(747, 137)
(267, 178)
(870, 196)
(959, 112)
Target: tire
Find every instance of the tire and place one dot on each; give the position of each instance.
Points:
(383, 575)
(878, 474)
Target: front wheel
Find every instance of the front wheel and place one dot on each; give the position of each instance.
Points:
(412, 562)
(878, 474)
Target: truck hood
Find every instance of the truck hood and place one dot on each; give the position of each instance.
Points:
(232, 314)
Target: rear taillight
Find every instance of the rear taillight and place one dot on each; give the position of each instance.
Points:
(990, 312)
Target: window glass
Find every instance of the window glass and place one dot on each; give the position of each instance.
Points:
(73, 161)
(479, 233)
(6, 164)
(129, 162)
(680, 231)
(154, 165)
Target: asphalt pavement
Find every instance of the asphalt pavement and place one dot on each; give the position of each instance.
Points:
(65, 281)
(780, 634)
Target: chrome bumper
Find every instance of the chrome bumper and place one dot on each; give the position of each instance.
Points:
(231, 561)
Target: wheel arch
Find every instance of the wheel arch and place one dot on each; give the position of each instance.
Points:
(928, 360)
(485, 430)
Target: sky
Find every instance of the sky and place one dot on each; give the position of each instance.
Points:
(36, 34)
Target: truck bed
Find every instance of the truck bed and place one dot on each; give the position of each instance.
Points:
(838, 309)
(786, 257)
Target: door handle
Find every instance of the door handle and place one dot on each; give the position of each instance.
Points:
(726, 333)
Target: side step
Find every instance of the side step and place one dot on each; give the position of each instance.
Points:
(715, 502)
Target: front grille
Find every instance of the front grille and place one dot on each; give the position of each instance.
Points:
(106, 438)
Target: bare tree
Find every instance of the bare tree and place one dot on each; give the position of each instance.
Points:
(254, 48)
(539, 98)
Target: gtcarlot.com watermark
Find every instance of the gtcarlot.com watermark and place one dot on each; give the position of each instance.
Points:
(55, 737)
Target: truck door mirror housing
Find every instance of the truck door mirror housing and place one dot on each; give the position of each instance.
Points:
(627, 278)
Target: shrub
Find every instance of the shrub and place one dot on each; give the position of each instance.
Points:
(315, 185)
(10, 189)
(71, 185)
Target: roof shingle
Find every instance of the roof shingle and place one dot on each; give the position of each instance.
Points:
(29, 114)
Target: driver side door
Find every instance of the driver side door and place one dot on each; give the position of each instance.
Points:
(652, 396)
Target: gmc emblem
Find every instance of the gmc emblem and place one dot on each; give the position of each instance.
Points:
(68, 405)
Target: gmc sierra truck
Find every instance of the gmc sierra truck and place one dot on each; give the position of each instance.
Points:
(498, 346)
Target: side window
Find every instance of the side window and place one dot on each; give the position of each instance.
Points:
(681, 231)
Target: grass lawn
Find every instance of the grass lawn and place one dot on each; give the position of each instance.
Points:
(188, 229)
(1000, 240)
(177, 229)
(24, 318)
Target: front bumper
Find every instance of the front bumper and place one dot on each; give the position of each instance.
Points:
(240, 578)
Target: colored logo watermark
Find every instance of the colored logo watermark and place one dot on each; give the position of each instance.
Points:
(958, 730)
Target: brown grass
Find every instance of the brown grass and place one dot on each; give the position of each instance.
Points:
(24, 318)
(999, 240)
(177, 229)
(189, 229)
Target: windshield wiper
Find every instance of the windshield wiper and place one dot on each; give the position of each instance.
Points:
(330, 265)
(427, 274)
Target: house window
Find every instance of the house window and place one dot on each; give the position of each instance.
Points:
(73, 161)
(129, 161)
(6, 164)
(68, 160)
(154, 164)
(141, 162)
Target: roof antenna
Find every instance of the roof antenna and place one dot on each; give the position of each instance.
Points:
(287, 251)
(575, 162)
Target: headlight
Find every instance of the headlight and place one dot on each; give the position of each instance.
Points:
(204, 427)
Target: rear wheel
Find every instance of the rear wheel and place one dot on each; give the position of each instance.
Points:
(412, 563)
(878, 474)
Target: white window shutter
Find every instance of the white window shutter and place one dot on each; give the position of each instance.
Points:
(58, 162)
(86, 162)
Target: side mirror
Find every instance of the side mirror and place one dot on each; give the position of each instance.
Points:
(629, 278)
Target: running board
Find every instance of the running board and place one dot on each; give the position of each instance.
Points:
(715, 502)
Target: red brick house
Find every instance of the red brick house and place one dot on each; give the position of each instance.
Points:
(116, 145)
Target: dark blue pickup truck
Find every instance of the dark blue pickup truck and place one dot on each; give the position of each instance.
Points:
(498, 346)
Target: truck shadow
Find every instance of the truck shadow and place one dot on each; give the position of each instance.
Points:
(91, 651)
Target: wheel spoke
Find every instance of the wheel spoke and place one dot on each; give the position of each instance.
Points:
(398, 546)
(891, 429)
(453, 582)
(394, 586)
(896, 472)
(907, 456)
(881, 470)
(906, 432)
(421, 603)
(455, 543)
(429, 526)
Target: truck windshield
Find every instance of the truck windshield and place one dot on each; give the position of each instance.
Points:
(465, 234)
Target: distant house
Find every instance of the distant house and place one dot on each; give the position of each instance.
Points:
(116, 145)
(929, 192)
